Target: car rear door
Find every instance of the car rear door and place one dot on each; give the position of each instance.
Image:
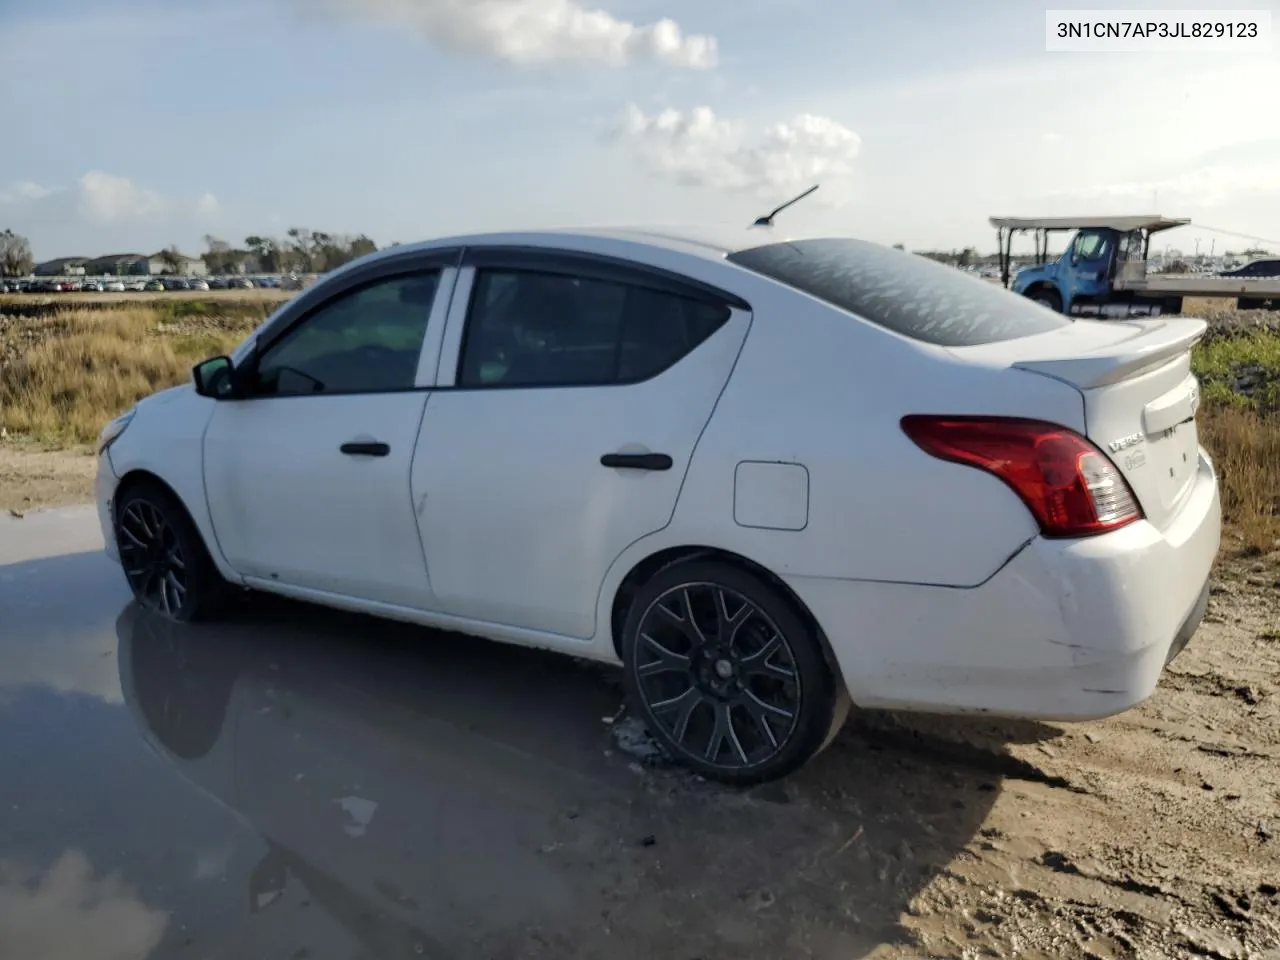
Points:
(572, 392)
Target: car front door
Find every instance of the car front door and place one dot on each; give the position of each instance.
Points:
(308, 476)
(568, 410)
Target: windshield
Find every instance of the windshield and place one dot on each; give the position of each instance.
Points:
(902, 292)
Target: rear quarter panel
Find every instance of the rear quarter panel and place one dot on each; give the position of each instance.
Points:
(818, 387)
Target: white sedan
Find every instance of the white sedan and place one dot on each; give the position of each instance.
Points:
(767, 477)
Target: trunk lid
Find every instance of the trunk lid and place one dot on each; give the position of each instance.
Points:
(1140, 396)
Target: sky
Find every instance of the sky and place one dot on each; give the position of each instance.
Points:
(130, 125)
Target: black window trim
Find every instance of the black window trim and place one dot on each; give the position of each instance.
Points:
(581, 265)
(1105, 236)
(598, 266)
(311, 301)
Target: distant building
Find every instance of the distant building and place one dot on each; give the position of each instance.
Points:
(62, 267)
(186, 266)
(119, 265)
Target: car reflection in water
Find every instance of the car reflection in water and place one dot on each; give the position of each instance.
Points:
(416, 832)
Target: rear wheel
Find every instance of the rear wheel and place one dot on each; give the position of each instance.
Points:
(728, 677)
(163, 556)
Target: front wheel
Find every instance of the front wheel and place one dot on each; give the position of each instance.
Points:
(163, 556)
(728, 677)
(1046, 298)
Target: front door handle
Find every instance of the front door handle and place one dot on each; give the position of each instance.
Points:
(365, 449)
(637, 461)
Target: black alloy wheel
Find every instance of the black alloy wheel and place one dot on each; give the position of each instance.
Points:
(729, 679)
(163, 556)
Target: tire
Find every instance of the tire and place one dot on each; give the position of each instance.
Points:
(768, 679)
(1046, 298)
(164, 557)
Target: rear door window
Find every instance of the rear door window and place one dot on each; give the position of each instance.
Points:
(533, 328)
(908, 294)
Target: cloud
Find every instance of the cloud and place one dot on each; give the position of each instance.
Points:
(107, 199)
(99, 198)
(699, 149)
(68, 912)
(100, 210)
(22, 190)
(534, 32)
(1215, 179)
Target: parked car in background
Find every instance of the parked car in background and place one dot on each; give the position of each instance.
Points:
(115, 286)
(765, 476)
(155, 286)
(1255, 268)
(195, 283)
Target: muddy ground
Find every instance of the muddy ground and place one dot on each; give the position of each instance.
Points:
(1150, 835)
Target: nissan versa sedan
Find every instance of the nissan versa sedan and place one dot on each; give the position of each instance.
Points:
(768, 477)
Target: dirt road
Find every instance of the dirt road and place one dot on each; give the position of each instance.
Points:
(33, 478)
(1154, 834)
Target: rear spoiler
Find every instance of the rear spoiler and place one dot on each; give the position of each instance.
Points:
(1156, 343)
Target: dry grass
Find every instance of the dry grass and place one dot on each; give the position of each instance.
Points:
(83, 367)
(1245, 446)
(1240, 426)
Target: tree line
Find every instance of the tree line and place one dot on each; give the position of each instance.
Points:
(301, 250)
(15, 255)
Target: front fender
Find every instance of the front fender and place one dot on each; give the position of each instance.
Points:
(166, 440)
(1035, 277)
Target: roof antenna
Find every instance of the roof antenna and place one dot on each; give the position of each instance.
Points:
(767, 219)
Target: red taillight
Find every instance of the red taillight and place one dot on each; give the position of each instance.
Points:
(1068, 485)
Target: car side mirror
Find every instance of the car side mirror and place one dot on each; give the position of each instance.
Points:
(213, 378)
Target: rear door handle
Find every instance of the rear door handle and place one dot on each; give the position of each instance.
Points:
(637, 461)
(365, 449)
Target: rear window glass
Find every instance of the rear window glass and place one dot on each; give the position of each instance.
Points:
(909, 294)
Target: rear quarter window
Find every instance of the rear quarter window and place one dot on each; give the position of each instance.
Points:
(902, 292)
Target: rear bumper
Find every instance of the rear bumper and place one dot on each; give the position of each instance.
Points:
(1189, 626)
(1066, 630)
